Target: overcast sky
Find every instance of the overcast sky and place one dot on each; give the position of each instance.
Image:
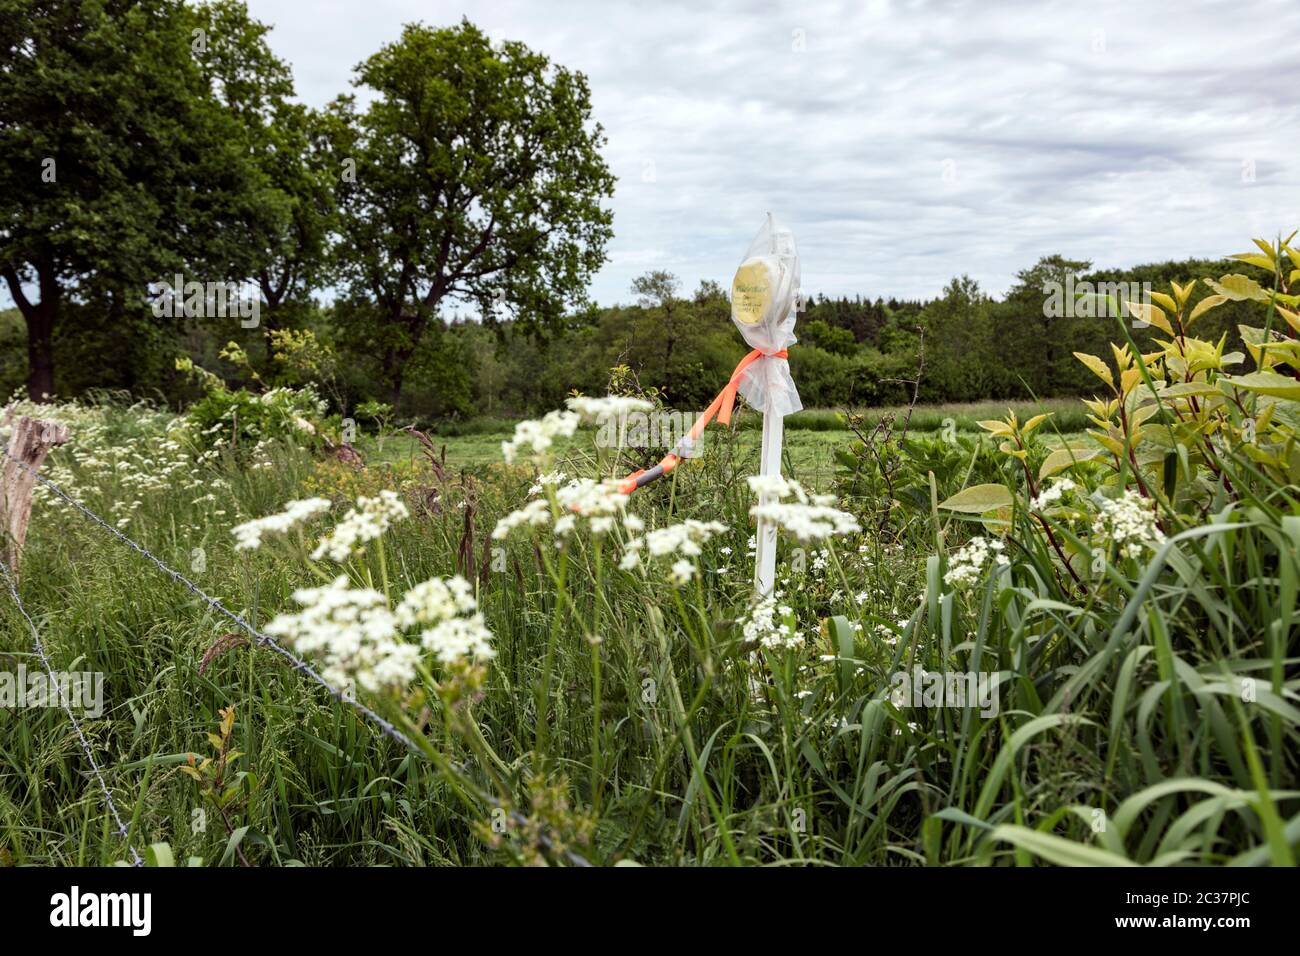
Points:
(906, 141)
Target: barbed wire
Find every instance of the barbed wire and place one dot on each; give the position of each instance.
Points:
(265, 640)
(39, 645)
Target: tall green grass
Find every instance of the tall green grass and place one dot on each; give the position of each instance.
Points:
(1122, 734)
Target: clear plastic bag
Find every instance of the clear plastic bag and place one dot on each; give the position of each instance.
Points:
(764, 303)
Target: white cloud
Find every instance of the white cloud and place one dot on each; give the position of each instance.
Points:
(905, 142)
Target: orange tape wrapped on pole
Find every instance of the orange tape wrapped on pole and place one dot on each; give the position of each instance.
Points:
(720, 408)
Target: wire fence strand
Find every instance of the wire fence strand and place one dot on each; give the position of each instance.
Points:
(264, 640)
(39, 645)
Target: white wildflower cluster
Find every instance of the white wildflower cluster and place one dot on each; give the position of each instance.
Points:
(1129, 523)
(599, 503)
(123, 471)
(358, 640)
(262, 456)
(808, 517)
(1050, 495)
(534, 514)
(610, 406)
(352, 633)
(366, 522)
(248, 536)
(769, 626)
(294, 402)
(454, 630)
(285, 415)
(553, 478)
(683, 541)
(964, 567)
(536, 436)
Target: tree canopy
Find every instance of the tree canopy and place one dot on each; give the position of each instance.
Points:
(474, 175)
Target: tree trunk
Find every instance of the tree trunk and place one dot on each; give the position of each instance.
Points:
(394, 367)
(39, 318)
(273, 294)
(397, 356)
(40, 353)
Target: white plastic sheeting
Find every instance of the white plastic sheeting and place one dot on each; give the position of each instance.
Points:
(764, 303)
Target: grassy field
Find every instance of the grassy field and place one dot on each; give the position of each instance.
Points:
(636, 706)
(810, 440)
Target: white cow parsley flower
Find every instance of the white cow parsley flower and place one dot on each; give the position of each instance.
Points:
(536, 436)
(682, 572)
(459, 638)
(249, 534)
(808, 517)
(682, 541)
(599, 502)
(964, 566)
(684, 538)
(769, 631)
(352, 632)
(358, 640)
(1128, 523)
(610, 406)
(366, 522)
(435, 600)
(550, 478)
(1047, 496)
(537, 512)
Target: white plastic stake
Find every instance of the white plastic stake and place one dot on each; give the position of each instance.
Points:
(764, 307)
(769, 464)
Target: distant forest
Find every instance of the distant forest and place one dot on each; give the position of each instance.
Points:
(852, 352)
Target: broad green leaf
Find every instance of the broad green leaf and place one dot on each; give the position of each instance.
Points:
(160, 854)
(1034, 422)
(1151, 315)
(1267, 383)
(996, 427)
(1058, 850)
(1205, 305)
(1254, 259)
(1238, 288)
(1165, 302)
(1292, 318)
(978, 499)
(1097, 366)
(1063, 458)
(1186, 389)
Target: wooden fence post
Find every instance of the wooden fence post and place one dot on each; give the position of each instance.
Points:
(29, 443)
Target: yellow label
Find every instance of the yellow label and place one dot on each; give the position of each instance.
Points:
(751, 293)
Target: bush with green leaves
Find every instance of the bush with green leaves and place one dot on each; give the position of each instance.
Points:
(238, 418)
(1137, 590)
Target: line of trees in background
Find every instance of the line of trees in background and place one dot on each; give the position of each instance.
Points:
(457, 219)
(140, 139)
(852, 352)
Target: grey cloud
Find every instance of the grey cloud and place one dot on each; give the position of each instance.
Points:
(906, 142)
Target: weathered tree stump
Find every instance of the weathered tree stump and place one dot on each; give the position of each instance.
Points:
(29, 443)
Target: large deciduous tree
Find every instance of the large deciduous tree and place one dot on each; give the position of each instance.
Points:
(288, 239)
(119, 161)
(474, 175)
